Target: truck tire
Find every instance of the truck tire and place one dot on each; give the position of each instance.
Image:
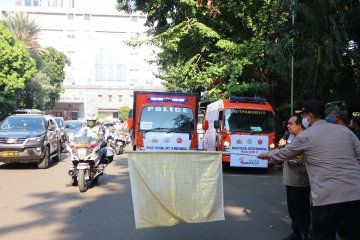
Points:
(44, 163)
(81, 180)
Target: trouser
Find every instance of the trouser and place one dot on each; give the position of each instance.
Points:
(298, 201)
(325, 220)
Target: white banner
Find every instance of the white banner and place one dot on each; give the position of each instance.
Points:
(251, 145)
(171, 187)
(162, 141)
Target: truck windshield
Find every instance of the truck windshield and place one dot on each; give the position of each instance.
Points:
(164, 118)
(247, 120)
(24, 123)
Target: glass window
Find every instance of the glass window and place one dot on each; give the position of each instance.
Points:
(71, 16)
(59, 122)
(110, 98)
(71, 4)
(31, 123)
(109, 66)
(99, 98)
(120, 98)
(134, 18)
(249, 120)
(86, 16)
(167, 118)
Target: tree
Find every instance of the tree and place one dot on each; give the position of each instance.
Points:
(245, 48)
(123, 112)
(36, 92)
(24, 28)
(223, 52)
(53, 64)
(16, 67)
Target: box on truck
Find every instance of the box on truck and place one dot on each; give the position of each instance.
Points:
(241, 128)
(164, 121)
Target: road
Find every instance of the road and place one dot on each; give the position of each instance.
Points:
(36, 205)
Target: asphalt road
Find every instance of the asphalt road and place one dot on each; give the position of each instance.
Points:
(36, 205)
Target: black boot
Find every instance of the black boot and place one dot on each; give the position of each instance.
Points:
(73, 182)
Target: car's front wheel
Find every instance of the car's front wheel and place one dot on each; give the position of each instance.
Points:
(44, 164)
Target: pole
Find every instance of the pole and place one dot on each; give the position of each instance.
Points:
(292, 60)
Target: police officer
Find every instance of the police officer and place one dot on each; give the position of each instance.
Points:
(332, 154)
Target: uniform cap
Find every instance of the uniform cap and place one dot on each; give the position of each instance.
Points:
(313, 106)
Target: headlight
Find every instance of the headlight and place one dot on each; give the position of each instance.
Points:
(226, 146)
(81, 153)
(35, 139)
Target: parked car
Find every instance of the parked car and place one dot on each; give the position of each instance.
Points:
(29, 138)
(63, 133)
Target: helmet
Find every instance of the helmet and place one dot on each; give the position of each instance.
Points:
(91, 120)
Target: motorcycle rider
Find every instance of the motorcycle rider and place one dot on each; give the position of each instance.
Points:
(96, 132)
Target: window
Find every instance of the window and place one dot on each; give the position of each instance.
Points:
(120, 98)
(115, 115)
(110, 66)
(134, 36)
(110, 98)
(71, 34)
(71, 16)
(71, 4)
(99, 98)
(86, 16)
(134, 18)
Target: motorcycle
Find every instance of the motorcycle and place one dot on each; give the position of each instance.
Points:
(126, 136)
(86, 154)
(116, 141)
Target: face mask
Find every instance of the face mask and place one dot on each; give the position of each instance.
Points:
(329, 119)
(305, 123)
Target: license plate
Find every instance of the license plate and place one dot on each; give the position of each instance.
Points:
(10, 154)
(81, 144)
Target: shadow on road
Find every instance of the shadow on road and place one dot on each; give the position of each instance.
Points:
(30, 166)
(255, 208)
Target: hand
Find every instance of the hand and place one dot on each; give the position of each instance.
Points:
(263, 156)
(282, 142)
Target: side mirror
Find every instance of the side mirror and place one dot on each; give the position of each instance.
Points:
(130, 123)
(216, 124)
(205, 124)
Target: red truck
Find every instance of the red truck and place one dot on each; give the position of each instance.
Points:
(164, 121)
(241, 128)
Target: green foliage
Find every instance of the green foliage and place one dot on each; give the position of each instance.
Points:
(36, 92)
(16, 67)
(123, 112)
(24, 28)
(246, 47)
(53, 64)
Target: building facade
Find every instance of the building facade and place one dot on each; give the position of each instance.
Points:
(104, 70)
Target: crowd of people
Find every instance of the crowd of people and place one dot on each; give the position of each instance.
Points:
(321, 173)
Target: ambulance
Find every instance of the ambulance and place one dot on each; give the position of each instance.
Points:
(241, 128)
(164, 121)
